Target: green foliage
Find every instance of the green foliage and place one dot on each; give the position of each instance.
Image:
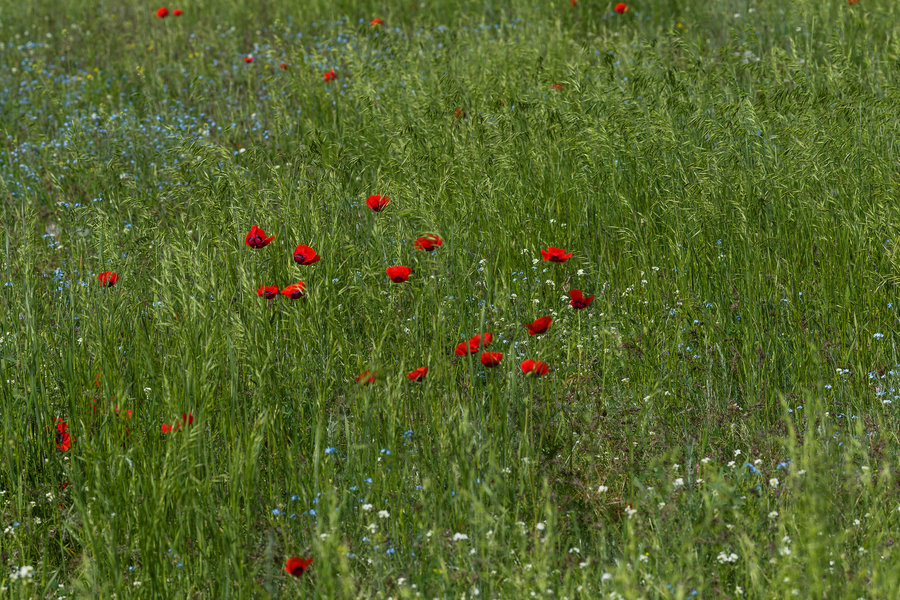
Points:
(719, 423)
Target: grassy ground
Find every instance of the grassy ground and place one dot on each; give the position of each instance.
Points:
(719, 423)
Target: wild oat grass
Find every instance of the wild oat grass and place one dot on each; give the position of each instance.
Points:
(720, 422)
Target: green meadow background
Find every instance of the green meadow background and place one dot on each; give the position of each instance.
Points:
(721, 422)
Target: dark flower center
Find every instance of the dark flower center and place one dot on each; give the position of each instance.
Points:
(296, 294)
(299, 258)
(255, 240)
(398, 279)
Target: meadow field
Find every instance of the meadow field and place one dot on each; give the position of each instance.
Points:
(644, 346)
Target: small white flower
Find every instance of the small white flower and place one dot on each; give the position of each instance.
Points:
(603, 489)
(678, 482)
(540, 526)
(367, 507)
(737, 452)
(774, 482)
(401, 580)
(630, 511)
(606, 577)
(773, 514)
(383, 514)
(372, 527)
(459, 536)
(323, 536)
(705, 459)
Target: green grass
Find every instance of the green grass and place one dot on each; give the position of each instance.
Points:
(721, 422)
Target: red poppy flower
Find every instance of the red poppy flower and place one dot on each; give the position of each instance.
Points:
(177, 12)
(555, 254)
(539, 326)
(162, 13)
(573, 2)
(556, 86)
(297, 566)
(294, 291)
(534, 367)
(377, 202)
(329, 76)
(63, 439)
(283, 65)
(428, 242)
(482, 340)
(186, 419)
(304, 255)
(257, 238)
(491, 359)
(621, 8)
(579, 301)
(852, 2)
(269, 291)
(459, 113)
(418, 375)
(377, 21)
(107, 278)
(398, 274)
(365, 378)
(248, 59)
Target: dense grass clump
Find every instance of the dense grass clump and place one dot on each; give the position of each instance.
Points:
(720, 421)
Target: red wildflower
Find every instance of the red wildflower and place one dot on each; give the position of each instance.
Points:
(482, 340)
(177, 12)
(534, 367)
(107, 278)
(459, 113)
(304, 255)
(573, 2)
(398, 274)
(539, 326)
(283, 65)
(579, 301)
(365, 378)
(162, 13)
(377, 202)
(297, 566)
(852, 2)
(556, 86)
(555, 254)
(418, 375)
(248, 59)
(428, 242)
(377, 21)
(186, 419)
(294, 291)
(491, 359)
(63, 439)
(329, 76)
(257, 238)
(621, 8)
(269, 291)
